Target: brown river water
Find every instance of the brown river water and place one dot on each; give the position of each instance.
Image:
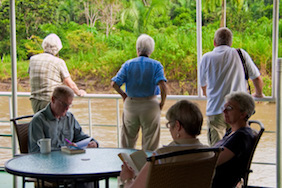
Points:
(103, 112)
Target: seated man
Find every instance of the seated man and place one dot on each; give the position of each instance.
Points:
(57, 123)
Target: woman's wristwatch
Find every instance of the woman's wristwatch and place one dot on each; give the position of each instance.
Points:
(127, 181)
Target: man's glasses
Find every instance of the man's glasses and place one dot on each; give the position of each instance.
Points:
(65, 104)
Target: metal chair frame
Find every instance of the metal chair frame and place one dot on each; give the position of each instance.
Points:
(257, 138)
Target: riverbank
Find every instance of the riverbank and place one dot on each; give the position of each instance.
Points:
(95, 86)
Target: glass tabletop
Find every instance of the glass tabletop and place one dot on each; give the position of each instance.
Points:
(95, 162)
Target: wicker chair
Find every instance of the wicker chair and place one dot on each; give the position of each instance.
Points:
(190, 174)
(22, 135)
(22, 132)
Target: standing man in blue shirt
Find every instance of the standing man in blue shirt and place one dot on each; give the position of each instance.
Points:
(144, 80)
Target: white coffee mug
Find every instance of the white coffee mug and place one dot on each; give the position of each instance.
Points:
(45, 145)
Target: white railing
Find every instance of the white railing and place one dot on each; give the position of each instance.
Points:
(117, 97)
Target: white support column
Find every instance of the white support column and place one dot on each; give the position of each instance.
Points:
(90, 118)
(199, 43)
(277, 81)
(118, 123)
(275, 28)
(278, 124)
(13, 51)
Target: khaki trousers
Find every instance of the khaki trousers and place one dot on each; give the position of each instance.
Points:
(216, 128)
(144, 113)
(38, 105)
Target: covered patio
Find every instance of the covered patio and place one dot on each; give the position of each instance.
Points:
(276, 78)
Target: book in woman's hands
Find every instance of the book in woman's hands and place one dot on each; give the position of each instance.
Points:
(135, 160)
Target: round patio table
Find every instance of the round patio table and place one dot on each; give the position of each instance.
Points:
(94, 164)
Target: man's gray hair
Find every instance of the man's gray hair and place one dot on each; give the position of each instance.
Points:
(223, 36)
(189, 116)
(52, 44)
(63, 92)
(145, 45)
(245, 101)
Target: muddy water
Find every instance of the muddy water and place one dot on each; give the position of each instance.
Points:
(104, 112)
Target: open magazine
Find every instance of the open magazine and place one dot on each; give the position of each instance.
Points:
(83, 143)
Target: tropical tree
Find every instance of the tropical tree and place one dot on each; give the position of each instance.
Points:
(183, 12)
(4, 22)
(141, 11)
(109, 14)
(69, 10)
(238, 4)
(212, 5)
(31, 14)
(185, 3)
(92, 11)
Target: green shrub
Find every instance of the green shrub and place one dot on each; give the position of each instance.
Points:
(33, 46)
(80, 41)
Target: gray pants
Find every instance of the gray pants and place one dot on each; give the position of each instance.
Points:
(216, 128)
(144, 113)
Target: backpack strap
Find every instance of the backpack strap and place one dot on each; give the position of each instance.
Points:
(243, 63)
(244, 67)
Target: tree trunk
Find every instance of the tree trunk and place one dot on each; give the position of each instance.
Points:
(145, 3)
(223, 14)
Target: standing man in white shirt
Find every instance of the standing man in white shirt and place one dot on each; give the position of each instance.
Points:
(222, 72)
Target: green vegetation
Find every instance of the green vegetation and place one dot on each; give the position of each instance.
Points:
(99, 36)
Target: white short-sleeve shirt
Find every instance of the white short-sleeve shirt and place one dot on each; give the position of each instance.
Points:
(221, 70)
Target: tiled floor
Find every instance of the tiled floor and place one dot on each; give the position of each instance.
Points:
(6, 181)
